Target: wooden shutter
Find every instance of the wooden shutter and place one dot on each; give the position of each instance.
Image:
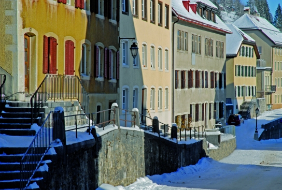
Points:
(117, 65)
(77, 4)
(45, 54)
(67, 57)
(203, 79)
(212, 79)
(96, 61)
(71, 58)
(117, 16)
(197, 113)
(220, 80)
(60, 1)
(110, 65)
(82, 4)
(203, 112)
(210, 110)
(106, 63)
(53, 54)
(109, 5)
(215, 80)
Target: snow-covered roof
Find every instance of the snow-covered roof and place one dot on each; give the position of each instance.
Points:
(248, 21)
(189, 16)
(206, 2)
(234, 40)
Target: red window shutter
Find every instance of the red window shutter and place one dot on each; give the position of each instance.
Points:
(82, 4)
(60, 1)
(67, 56)
(117, 65)
(71, 57)
(110, 65)
(45, 54)
(97, 61)
(77, 4)
(106, 63)
(53, 53)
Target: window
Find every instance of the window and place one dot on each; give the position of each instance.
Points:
(215, 110)
(113, 9)
(160, 63)
(206, 79)
(135, 98)
(152, 57)
(100, 7)
(135, 7)
(166, 16)
(124, 6)
(144, 55)
(196, 44)
(69, 58)
(152, 99)
(166, 98)
(49, 55)
(186, 41)
(216, 79)
(221, 109)
(260, 50)
(183, 79)
(160, 99)
(166, 59)
(144, 9)
(83, 60)
(125, 98)
(190, 79)
(125, 52)
(152, 11)
(160, 13)
(112, 64)
(209, 47)
(100, 62)
(220, 81)
(197, 73)
(212, 79)
(176, 79)
(69, 2)
(179, 40)
(220, 49)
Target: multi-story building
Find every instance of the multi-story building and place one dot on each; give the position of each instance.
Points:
(269, 43)
(241, 60)
(199, 40)
(61, 38)
(145, 82)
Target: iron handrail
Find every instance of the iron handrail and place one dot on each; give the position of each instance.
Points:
(2, 85)
(36, 151)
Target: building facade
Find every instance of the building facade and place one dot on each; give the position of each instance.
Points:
(269, 43)
(63, 38)
(145, 82)
(241, 60)
(199, 40)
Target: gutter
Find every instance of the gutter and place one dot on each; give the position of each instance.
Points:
(172, 69)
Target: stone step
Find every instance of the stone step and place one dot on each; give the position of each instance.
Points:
(15, 183)
(19, 114)
(15, 126)
(10, 175)
(18, 132)
(21, 109)
(19, 120)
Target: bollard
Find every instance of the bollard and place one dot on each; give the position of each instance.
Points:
(156, 125)
(115, 114)
(135, 117)
(59, 125)
(174, 131)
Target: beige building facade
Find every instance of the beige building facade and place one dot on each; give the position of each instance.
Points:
(145, 82)
(199, 64)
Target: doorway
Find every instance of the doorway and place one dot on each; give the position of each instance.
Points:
(26, 61)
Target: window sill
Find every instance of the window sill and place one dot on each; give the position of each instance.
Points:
(100, 16)
(145, 19)
(125, 65)
(70, 7)
(125, 13)
(166, 70)
(84, 77)
(53, 2)
(100, 79)
(135, 67)
(113, 80)
(113, 21)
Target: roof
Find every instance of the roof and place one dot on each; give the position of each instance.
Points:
(180, 11)
(248, 21)
(206, 2)
(234, 40)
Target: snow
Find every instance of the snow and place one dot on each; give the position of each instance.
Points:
(35, 127)
(106, 187)
(253, 165)
(206, 2)
(33, 186)
(59, 109)
(234, 40)
(180, 10)
(43, 168)
(255, 22)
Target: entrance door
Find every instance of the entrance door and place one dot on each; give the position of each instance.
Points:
(26, 62)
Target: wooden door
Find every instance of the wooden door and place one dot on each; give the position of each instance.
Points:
(26, 61)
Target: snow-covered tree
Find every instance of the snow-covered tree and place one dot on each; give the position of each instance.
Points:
(277, 22)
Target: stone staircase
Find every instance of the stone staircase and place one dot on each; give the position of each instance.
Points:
(15, 125)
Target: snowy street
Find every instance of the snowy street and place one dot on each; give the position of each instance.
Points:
(253, 165)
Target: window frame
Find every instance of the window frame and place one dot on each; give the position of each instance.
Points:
(144, 55)
(160, 13)
(152, 57)
(124, 45)
(152, 98)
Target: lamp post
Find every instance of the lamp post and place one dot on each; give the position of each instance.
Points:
(256, 132)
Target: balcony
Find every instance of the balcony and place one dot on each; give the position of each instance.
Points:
(268, 89)
(261, 63)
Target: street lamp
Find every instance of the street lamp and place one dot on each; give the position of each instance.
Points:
(256, 132)
(134, 50)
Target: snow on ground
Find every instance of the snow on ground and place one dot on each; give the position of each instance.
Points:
(253, 165)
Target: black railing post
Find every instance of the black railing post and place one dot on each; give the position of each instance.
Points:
(75, 126)
(89, 122)
(185, 133)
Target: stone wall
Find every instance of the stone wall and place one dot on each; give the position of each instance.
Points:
(225, 148)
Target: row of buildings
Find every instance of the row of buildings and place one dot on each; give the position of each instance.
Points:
(190, 66)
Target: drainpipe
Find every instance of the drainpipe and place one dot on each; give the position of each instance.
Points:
(173, 82)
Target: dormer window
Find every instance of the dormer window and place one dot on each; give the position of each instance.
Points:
(201, 12)
(213, 17)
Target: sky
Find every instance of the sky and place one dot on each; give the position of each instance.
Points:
(271, 3)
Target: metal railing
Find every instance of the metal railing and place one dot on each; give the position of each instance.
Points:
(33, 156)
(92, 119)
(192, 132)
(58, 87)
(2, 85)
(129, 116)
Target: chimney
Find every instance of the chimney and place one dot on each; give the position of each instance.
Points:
(194, 7)
(186, 4)
(247, 10)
